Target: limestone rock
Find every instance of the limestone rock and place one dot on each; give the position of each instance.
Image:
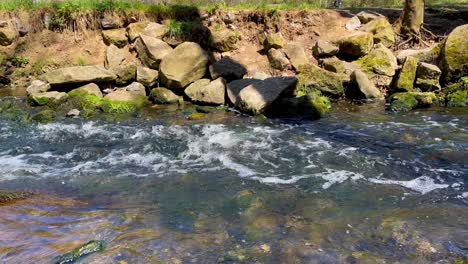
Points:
(79, 74)
(91, 88)
(342, 68)
(135, 29)
(114, 57)
(382, 30)
(296, 55)
(37, 86)
(47, 98)
(353, 24)
(429, 55)
(73, 113)
(402, 102)
(147, 76)
(184, 65)
(126, 73)
(273, 41)
(163, 96)
(324, 49)
(151, 51)
(154, 30)
(380, 63)
(427, 77)
(454, 62)
(366, 16)
(111, 23)
(224, 39)
(357, 45)
(313, 78)
(363, 87)
(117, 37)
(233, 89)
(228, 69)
(256, 98)
(278, 59)
(207, 92)
(135, 92)
(407, 75)
(7, 36)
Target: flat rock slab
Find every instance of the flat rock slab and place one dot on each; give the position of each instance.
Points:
(79, 74)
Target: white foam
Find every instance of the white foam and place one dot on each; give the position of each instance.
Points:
(337, 176)
(423, 184)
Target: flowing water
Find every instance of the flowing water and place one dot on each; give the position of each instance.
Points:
(361, 186)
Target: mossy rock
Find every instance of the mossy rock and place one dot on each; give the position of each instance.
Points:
(9, 196)
(382, 30)
(89, 104)
(196, 116)
(404, 102)
(51, 99)
(379, 61)
(458, 99)
(224, 39)
(117, 37)
(357, 45)
(313, 105)
(454, 61)
(45, 116)
(122, 107)
(312, 78)
(14, 110)
(163, 96)
(407, 75)
(86, 249)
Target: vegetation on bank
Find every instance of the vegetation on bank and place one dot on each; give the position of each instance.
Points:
(182, 5)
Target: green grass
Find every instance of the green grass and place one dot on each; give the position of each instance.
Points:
(184, 5)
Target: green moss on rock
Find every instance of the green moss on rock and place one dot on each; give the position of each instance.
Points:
(44, 116)
(379, 61)
(312, 78)
(403, 102)
(407, 75)
(122, 107)
(454, 61)
(458, 99)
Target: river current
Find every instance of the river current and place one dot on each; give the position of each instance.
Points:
(360, 186)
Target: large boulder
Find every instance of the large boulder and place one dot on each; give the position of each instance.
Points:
(162, 95)
(454, 62)
(429, 55)
(90, 88)
(427, 77)
(224, 39)
(48, 98)
(135, 29)
(126, 72)
(296, 55)
(366, 16)
(353, 23)
(114, 57)
(79, 74)
(7, 36)
(147, 76)
(151, 50)
(403, 102)
(256, 98)
(324, 49)
(233, 88)
(407, 76)
(362, 87)
(117, 37)
(313, 78)
(357, 45)
(154, 30)
(37, 86)
(382, 30)
(273, 41)
(227, 68)
(184, 65)
(380, 65)
(277, 59)
(204, 91)
(134, 92)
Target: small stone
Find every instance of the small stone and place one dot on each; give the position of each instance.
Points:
(73, 113)
(110, 23)
(273, 41)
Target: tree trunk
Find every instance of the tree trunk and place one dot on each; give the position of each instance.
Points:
(413, 18)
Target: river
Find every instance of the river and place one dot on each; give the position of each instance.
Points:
(360, 186)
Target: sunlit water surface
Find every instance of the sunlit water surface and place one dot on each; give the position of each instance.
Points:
(361, 185)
